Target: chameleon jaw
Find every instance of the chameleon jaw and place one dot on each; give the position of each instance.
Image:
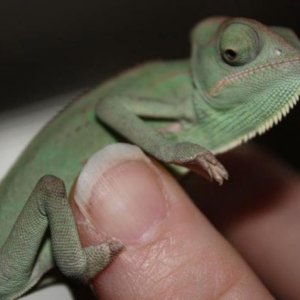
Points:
(261, 129)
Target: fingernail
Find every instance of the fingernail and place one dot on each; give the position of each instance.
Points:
(121, 194)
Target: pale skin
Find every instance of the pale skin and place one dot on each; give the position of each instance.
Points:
(203, 265)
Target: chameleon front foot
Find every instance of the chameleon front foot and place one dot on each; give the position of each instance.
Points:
(199, 160)
(207, 166)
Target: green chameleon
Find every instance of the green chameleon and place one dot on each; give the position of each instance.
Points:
(242, 78)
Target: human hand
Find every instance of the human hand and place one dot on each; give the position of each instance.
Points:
(172, 250)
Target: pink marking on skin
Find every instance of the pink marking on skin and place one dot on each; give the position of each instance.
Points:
(172, 128)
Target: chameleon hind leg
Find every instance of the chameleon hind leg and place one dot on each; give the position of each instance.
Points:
(48, 206)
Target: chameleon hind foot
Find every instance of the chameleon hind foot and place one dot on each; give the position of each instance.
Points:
(97, 257)
(21, 266)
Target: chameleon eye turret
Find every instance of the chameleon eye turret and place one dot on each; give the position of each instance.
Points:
(239, 44)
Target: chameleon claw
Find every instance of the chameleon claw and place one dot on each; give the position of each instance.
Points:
(213, 167)
(218, 174)
(115, 248)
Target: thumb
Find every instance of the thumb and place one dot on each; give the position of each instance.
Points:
(171, 248)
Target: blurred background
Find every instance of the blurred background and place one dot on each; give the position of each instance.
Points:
(51, 51)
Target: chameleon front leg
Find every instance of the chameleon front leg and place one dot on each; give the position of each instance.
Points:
(48, 206)
(121, 113)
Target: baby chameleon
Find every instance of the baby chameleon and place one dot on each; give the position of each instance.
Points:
(242, 78)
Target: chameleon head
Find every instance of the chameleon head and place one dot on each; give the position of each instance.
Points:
(246, 77)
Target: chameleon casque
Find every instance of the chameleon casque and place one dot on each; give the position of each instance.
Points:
(242, 78)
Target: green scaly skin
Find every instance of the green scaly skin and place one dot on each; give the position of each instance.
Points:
(242, 78)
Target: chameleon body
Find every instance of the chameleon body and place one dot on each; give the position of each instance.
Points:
(242, 78)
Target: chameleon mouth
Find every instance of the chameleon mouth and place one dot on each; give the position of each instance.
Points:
(262, 128)
(229, 80)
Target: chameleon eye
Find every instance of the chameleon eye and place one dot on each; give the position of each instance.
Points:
(239, 44)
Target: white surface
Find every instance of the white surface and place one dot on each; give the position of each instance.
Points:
(57, 291)
(17, 128)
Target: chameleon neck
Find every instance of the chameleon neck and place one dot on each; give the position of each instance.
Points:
(224, 127)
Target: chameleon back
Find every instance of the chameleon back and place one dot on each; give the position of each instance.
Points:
(66, 142)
